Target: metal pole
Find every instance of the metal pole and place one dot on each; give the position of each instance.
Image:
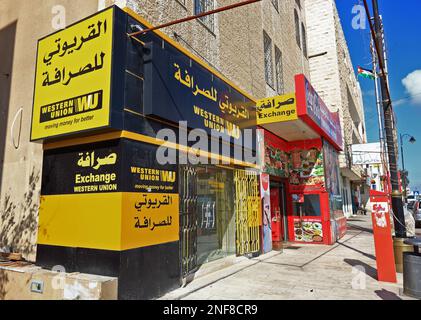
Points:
(378, 102)
(203, 14)
(403, 170)
(397, 203)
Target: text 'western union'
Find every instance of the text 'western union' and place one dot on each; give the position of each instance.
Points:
(73, 106)
(148, 174)
(106, 179)
(214, 122)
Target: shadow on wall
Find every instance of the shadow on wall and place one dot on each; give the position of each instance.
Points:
(19, 222)
(7, 47)
(3, 284)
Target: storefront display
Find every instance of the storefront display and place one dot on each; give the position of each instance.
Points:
(215, 213)
(110, 206)
(308, 167)
(307, 171)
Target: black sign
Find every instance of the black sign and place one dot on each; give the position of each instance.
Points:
(112, 166)
(179, 89)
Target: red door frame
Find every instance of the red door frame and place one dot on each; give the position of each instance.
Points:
(284, 182)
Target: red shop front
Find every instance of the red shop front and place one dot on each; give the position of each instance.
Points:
(301, 157)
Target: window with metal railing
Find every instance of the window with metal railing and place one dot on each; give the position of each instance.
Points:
(297, 28)
(267, 46)
(201, 6)
(304, 39)
(279, 71)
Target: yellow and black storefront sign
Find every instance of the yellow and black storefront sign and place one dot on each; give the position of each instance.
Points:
(110, 195)
(73, 79)
(277, 109)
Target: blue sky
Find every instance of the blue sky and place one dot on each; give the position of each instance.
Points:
(402, 27)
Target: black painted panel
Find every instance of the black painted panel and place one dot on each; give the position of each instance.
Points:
(148, 273)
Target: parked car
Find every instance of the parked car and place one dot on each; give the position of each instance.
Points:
(414, 207)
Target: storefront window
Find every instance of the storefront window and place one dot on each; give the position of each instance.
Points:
(215, 213)
(308, 206)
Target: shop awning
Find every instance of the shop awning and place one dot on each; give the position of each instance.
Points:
(300, 116)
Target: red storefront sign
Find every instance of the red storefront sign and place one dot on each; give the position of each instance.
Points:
(314, 112)
(385, 259)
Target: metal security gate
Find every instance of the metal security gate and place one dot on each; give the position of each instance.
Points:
(247, 210)
(188, 219)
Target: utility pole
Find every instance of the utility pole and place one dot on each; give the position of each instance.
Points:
(389, 125)
(380, 119)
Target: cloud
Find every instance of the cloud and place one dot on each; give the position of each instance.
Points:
(412, 84)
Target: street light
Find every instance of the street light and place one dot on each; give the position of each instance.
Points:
(411, 140)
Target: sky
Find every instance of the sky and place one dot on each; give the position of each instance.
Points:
(402, 21)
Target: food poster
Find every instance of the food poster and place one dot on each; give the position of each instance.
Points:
(307, 166)
(276, 156)
(308, 230)
(276, 162)
(333, 181)
(267, 219)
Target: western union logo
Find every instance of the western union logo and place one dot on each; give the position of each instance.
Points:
(168, 176)
(148, 174)
(73, 106)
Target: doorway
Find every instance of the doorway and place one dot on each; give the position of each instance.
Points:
(279, 214)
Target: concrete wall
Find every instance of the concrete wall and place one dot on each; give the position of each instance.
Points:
(22, 22)
(235, 48)
(333, 74)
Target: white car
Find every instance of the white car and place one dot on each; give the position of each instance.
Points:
(414, 207)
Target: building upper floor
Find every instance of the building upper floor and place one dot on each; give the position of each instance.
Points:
(331, 68)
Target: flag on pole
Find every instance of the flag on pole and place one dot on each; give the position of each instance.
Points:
(366, 73)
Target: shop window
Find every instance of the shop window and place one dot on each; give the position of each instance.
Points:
(267, 45)
(215, 213)
(297, 28)
(309, 207)
(201, 6)
(279, 71)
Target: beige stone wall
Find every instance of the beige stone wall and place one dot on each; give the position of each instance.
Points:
(235, 48)
(333, 74)
(22, 22)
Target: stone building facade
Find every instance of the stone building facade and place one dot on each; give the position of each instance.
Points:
(333, 76)
(232, 42)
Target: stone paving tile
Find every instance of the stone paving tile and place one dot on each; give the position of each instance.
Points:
(311, 272)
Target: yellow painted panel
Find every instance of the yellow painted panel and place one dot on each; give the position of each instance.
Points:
(149, 219)
(73, 78)
(82, 220)
(277, 109)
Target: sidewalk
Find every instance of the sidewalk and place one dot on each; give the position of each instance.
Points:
(302, 272)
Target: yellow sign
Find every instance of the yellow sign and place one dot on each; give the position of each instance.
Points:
(73, 78)
(109, 221)
(277, 109)
(149, 219)
(90, 220)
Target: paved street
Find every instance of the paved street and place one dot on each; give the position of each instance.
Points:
(302, 272)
